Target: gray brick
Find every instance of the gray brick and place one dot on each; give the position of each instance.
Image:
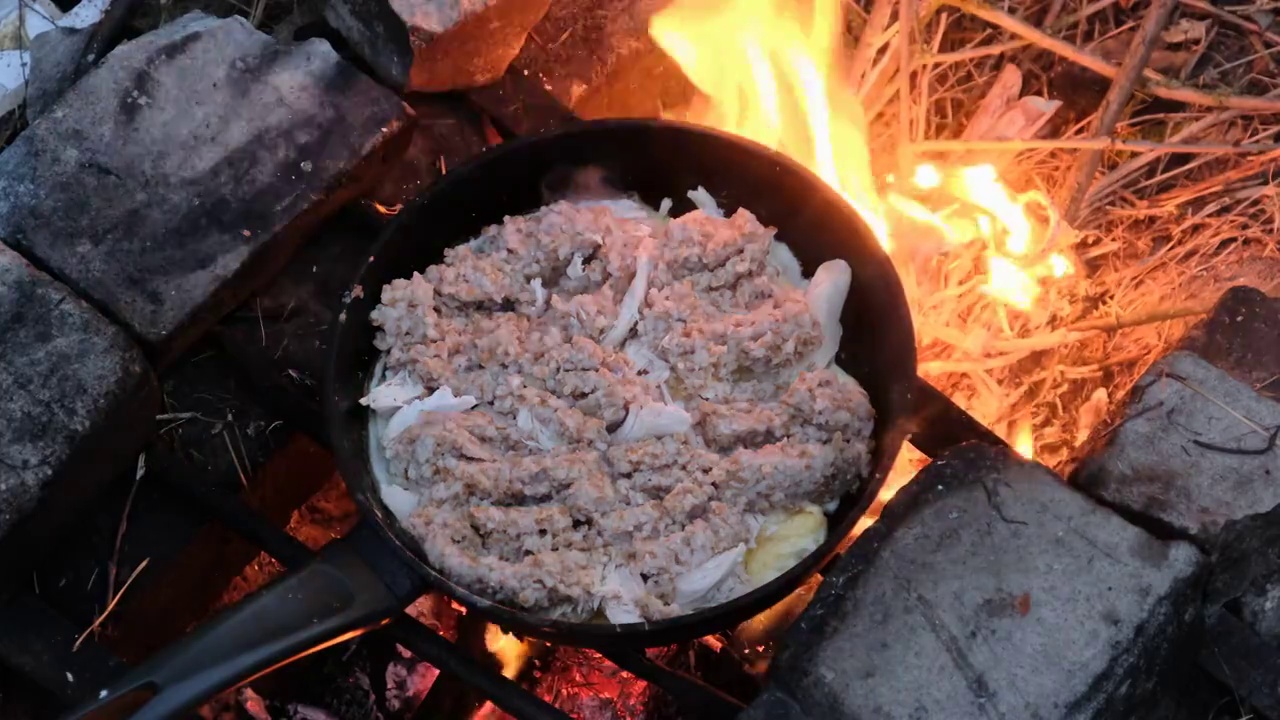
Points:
(182, 171)
(1155, 464)
(79, 404)
(991, 589)
(54, 55)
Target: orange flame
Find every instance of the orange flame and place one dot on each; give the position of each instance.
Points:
(768, 70)
(510, 650)
(766, 67)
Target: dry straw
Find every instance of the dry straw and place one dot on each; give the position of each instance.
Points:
(1181, 205)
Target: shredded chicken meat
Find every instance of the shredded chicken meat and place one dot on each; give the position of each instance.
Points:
(619, 400)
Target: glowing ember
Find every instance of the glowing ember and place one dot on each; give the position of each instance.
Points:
(510, 650)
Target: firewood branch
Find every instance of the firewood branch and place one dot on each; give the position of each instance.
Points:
(869, 42)
(1135, 61)
(1156, 84)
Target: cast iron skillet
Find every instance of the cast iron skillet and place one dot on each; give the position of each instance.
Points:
(354, 586)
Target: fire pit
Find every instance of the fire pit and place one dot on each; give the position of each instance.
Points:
(1078, 203)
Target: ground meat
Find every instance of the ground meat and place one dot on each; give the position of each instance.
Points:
(531, 496)
(815, 407)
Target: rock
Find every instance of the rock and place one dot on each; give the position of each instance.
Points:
(1240, 660)
(1246, 572)
(597, 58)
(183, 170)
(1186, 455)
(520, 105)
(991, 589)
(773, 704)
(79, 404)
(436, 45)
(1242, 337)
(54, 55)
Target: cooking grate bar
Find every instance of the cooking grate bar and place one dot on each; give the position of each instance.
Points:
(694, 696)
(238, 517)
(408, 632)
(508, 695)
(36, 642)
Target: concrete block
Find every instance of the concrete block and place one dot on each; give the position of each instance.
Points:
(1195, 449)
(1246, 573)
(1242, 337)
(177, 175)
(79, 404)
(991, 589)
(54, 56)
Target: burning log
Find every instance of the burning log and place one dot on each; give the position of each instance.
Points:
(585, 685)
(436, 45)
(596, 57)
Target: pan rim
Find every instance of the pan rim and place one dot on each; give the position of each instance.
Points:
(588, 633)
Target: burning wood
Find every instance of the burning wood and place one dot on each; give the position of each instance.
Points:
(987, 259)
(784, 92)
(510, 650)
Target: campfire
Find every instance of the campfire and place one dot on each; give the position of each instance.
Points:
(977, 256)
(1065, 190)
(1022, 319)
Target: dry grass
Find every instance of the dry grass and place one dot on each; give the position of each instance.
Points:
(1161, 234)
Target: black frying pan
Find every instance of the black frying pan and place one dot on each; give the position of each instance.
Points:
(365, 580)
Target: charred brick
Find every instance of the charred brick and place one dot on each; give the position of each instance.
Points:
(1242, 337)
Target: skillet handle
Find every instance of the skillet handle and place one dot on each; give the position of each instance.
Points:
(330, 599)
